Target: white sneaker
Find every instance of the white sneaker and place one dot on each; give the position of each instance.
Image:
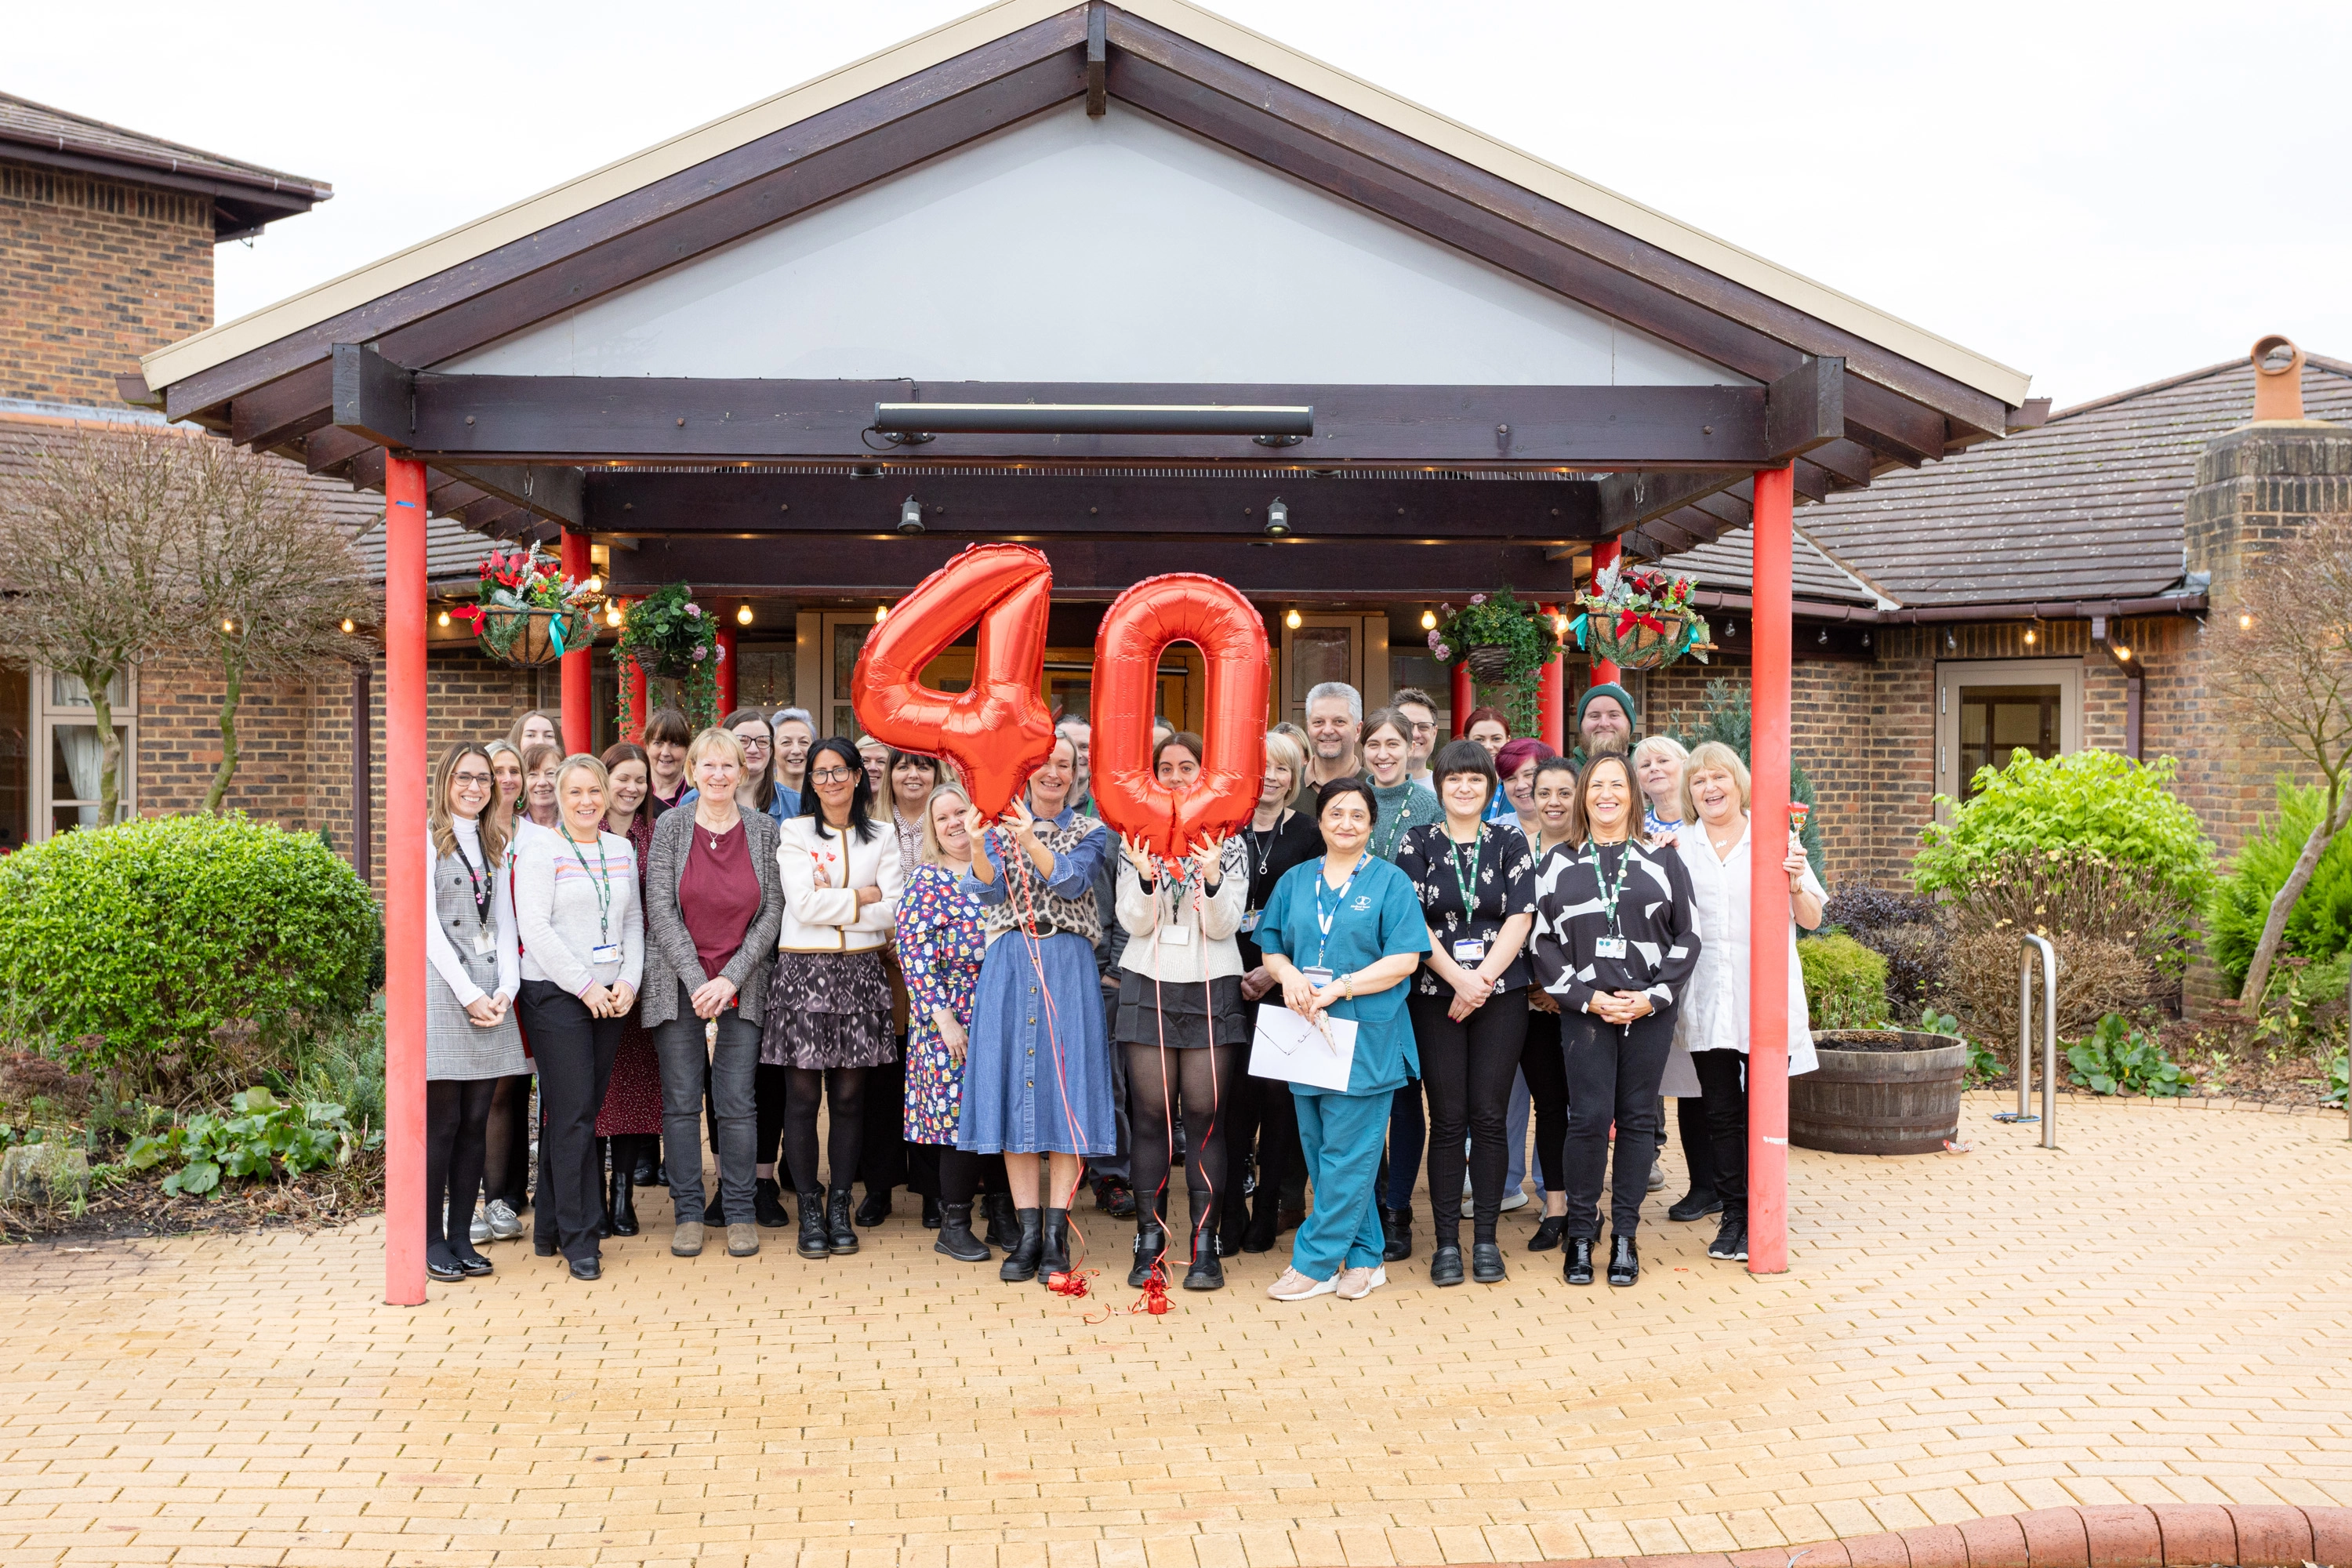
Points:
(1467, 1190)
(1355, 1284)
(1517, 1200)
(481, 1229)
(1658, 1176)
(504, 1223)
(1296, 1287)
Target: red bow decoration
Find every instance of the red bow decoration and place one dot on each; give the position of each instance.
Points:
(470, 613)
(1072, 1284)
(1154, 1299)
(1627, 621)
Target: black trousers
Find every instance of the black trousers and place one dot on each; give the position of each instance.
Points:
(1545, 1067)
(574, 1049)
(457, 1114)
(1612, 1075)
(1466, 1069)
(771, 1096)
(1698, 1137)
(882, 1150)
(1723, 1080)
(1265, 1121)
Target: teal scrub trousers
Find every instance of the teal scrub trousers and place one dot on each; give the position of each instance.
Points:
(1341, 1136)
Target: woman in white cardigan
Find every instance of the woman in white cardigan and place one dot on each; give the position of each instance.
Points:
(828, 1017)
(1180, 997)
(1715, 844)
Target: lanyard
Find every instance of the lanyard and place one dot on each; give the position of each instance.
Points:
(1466, 881)
(1396, 833)
(1322, 918)
(604, 887)
(479, 880)
(1261, 858)
(1609, 890)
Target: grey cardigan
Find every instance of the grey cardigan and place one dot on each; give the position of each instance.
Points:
(669, 950)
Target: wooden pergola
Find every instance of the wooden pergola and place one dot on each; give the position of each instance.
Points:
(1163, 295)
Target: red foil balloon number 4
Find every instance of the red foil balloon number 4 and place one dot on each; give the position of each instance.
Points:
(997, 732)
(1182, 608)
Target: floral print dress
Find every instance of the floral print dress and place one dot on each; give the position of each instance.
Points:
(940, 947)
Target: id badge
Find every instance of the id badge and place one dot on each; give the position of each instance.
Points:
(1175, 936)
(1319, 977)
(610, 952)
(486, 941)
(1609, 947)
(1470, 950)
(1249, 921)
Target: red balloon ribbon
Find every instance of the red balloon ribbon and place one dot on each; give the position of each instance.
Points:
(998, 731)
(1183, 606)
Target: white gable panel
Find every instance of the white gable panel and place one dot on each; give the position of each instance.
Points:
(1119, 249)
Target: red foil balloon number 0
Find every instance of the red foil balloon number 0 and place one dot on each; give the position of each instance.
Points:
(998, 731)
(1182, 608)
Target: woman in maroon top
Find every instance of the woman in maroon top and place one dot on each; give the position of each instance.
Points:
(713, 900)
(629, 1121)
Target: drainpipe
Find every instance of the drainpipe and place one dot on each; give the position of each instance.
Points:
(2123, 658)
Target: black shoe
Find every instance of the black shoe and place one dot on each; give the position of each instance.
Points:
(1004, 1224)
(1579, 1268)
(1259, 1236)
(1445, 1265)
(768, 1204)
(812, 1242)
(1150, 1242)
(1396, 1229)
(1730, 1243)
(955, 1238)
(541, 1248)
(648, 1172)
(473, 1263)
(1487, 1263)
(1695, 1206)
(1547, 1232)
(621, 1201)
(1117, 1200)
(1021, 1261)
(1625, 1263)
(875, 1209)
(841, 1237)
(440, 1263)
(1207, 1273)
(931, 1220)
(587, 1268)
(1054, 1254)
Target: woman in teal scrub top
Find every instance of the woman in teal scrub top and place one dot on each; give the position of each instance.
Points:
(1341, 934)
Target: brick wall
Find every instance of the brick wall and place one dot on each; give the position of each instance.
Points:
(95, 273)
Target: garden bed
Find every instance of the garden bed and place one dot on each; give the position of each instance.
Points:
(136, 1205)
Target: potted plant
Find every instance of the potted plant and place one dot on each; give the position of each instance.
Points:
(1504, 642)
(666, 634)
(1639, 618)
(1879, 1089)
(529, 612)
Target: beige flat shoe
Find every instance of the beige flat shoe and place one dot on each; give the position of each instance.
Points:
(686, 1241)
(742, 1240)
(1355, 1284)
(1296, 1287)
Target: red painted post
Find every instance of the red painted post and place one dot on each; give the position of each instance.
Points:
(726, 669)
(637, 696)
(1464, 698)
(1551, 725)
(1604, 554)
(1768, 885)
(403, 881)
(579, 686)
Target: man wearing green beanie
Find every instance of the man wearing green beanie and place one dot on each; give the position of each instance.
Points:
(1605, 717)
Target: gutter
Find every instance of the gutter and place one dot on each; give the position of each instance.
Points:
(2067, 610)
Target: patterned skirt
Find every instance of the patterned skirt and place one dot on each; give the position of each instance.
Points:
(828, 1010)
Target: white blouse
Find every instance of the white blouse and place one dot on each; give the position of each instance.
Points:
(1715, 1003)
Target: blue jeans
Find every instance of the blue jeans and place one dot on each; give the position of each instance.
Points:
(678, 1043)
(1341, 1136)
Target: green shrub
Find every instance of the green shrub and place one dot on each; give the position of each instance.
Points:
(260, 1139)
(2120, 1060)
(2096, 804)
(173, 950)
(2320, 923)
(2304, 1005)
(343, 1063)
(1845, 983)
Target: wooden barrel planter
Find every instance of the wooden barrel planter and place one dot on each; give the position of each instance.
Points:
(1879, 1091)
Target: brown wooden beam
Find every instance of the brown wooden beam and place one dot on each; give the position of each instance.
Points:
(550, 490)
(284, 410)
(330, 448)
(373, 396)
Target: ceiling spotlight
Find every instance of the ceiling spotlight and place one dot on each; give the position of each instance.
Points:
(1277, 517)
(1429, 620)
(1294, 620)
(881, 614)
(743, 616)
(911, 516)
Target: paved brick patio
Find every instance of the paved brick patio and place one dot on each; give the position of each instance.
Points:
(2160, 1313)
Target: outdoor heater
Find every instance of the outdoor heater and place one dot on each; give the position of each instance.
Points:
(910, 424)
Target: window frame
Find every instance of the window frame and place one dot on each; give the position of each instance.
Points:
(1951, 675)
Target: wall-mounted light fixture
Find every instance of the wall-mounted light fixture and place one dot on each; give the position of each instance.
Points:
(911, 516)
(881, 614)
(1294, 620)
(444, 619)
(613, 613)
(1429, 620)
(1277, 517)
(743, 615)
(594, 584)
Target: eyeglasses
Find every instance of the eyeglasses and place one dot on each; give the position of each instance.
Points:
(749, 744)
(1429, 729)
(481, 778)
(833, 775)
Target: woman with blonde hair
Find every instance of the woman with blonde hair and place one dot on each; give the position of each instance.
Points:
(940, 944)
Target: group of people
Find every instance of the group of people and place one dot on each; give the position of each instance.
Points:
(726, 933)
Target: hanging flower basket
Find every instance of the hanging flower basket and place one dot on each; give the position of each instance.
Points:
(534, 636)
(1640, 619)
(529, 613)
(668, 636)
(1493, 663)
(1651, 642)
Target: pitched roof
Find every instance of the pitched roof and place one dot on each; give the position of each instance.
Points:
(246, 195)
(1688, 248)
(1723, 566)
(2086, 507)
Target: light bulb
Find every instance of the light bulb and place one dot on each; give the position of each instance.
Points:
(445, 618)
(611, 615)
(2245, 623)
(594, 584)
(1429, 620)
(2029, 638)
(228, 626)
(743, 616)
(1560, 626)
(2123, 653)
(881, 614)
(347, 623)
(1294, 620)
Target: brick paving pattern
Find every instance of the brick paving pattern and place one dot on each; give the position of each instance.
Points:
(2153, 1314)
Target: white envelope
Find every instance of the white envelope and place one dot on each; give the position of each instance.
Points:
(1289, 1046)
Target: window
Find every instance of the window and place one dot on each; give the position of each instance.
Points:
(70, 754)
(1986, 708)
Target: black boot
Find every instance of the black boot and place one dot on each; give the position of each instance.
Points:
(931, 1220)
(813, 1243)
(1396, 1227)
(1625, 1263)
(1695, 1204)
(1003, 1228)
(841, 1237)
(768, 1204)
(1578, 1267)
(876, 1208)
(955, 1238)
(647, 1171)
(1054, 1253)
(621, 1200)
(1208, 1271)
(1021, 1262)
(604, 1206)
(1151, 1241)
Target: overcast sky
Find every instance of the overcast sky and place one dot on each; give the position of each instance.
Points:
(2099, 196)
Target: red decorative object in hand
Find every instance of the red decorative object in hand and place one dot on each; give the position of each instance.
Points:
(997, 732)
(1183, 606)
